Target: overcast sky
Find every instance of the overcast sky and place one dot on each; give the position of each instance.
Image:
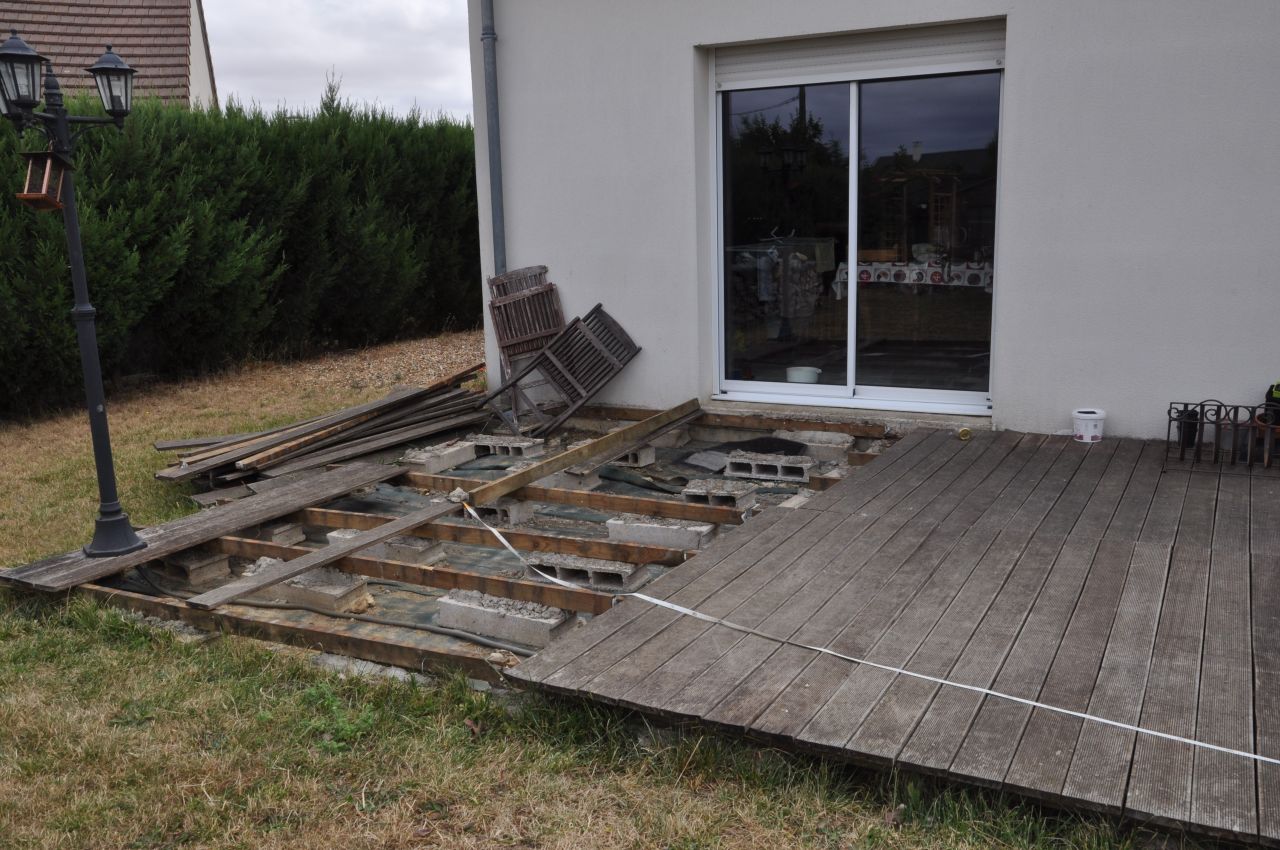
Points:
(396, 53)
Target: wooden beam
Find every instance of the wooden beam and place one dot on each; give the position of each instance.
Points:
(406, 524)
(572, 599)
(667, 508)
(526, 541)
(745, 421)
(264, 624)
(602, 445)
(72, 568)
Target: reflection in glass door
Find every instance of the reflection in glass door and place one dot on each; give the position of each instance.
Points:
(926, 231)
(922, 267)
(786, 233)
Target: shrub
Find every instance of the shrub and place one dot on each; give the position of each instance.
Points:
(215, 236)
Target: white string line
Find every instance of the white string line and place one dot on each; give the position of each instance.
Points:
(977, 689)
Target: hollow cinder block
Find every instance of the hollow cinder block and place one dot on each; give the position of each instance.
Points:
(668, 533)
(720, 493)
(525, 623)
(769, 467)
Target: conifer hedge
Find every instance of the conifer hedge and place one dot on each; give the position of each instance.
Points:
(215, 236)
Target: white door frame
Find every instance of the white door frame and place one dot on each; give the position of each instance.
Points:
(826, 395)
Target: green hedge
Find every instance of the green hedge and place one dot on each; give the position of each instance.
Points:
(212, 237)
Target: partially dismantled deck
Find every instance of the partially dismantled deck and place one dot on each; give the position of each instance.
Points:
(1083, 578)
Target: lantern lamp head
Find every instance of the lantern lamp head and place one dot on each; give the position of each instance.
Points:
(19, 75)
(115, 83)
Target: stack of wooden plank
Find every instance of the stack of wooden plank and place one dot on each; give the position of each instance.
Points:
(406, 414)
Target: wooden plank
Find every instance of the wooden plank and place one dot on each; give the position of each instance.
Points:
(939, 524)
(1264, 557)
(684, 685)
(570, 598)
(668, 508)
(406, 524)
(798, 594)
(1061, 641)
(335, 551)
(474, 535)
(744, 421)
(200, 464)
(963, 650)
(202, 442)
(1000, 589)
(387, 647)
(563, 651)
(377, 443)
(1224, 787)
(609, 443)
(1160, 776)
(64, 571)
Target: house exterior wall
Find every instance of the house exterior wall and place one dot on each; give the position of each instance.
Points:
(1136, 205)
(203, 91)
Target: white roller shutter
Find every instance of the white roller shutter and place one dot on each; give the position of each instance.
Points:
(924, 49)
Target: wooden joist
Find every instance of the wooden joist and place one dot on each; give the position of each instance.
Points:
(526, 541)
(448, 578)
(406, 524)
(63, 571)
(666, 508)
(745, 421)
(382, 645)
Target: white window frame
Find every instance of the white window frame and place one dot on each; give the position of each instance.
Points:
(848, 395)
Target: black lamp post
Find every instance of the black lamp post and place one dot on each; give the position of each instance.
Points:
(50, 185)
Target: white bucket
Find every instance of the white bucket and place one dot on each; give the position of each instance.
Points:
(1087, 424)
(803, 374)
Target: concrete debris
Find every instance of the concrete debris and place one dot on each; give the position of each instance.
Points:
(526, 623)
(711, 461)
(658, 531)
(434, 459)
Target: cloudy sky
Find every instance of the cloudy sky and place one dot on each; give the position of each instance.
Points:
(397, 53)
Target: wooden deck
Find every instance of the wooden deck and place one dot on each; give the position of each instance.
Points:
(1084, 578)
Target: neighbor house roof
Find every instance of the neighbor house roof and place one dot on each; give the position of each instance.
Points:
(165, 40)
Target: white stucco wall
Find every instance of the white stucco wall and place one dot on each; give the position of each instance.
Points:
(1138, 184)
(202, 88)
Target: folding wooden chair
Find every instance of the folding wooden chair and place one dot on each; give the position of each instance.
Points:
(526, 315)
(576, 364)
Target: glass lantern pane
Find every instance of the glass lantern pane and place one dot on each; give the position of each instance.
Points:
(103, 92)
(28, 80)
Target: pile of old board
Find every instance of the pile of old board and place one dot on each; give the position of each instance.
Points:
(406, 414)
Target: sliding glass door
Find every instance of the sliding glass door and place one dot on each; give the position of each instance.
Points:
(874, 280)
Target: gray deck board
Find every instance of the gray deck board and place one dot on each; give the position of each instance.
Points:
(1090, 578)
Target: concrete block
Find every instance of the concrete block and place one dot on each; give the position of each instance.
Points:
(284, 533)
(196, 569)
(415, 550)
(642, 456)
(433, 459)
(325, 588)
(338, 535)
(503, 444)
(769, 467)
(658, 531)
(526, 623)
(506, 511)
(824, 446)
(714, 491)
(595, 573)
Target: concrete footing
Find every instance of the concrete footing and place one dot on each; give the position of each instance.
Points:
(656, 531)
(196, 569)
(573, 479)
(324, 587)
(769, 467)
(338, 535)
(824, 446)
(506, 511)
(284, 533)
(597, 574)
(415, 550)
(526, 623)
(433, 459)
(713, 491)
(502, 444)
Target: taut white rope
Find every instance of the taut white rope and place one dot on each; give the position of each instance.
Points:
(1093, 718)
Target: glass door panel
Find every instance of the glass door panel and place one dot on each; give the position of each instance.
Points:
(926, 231)
(785, 155)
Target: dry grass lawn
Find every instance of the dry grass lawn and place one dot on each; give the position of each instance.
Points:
(115, 734)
